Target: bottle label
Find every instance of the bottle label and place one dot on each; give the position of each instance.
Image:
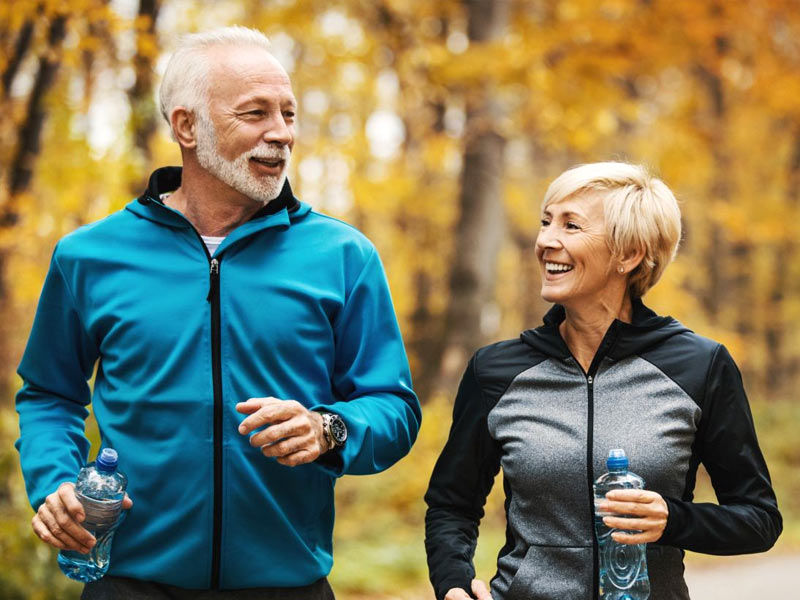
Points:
(100, 514)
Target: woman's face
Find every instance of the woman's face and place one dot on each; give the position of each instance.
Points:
(574, 257)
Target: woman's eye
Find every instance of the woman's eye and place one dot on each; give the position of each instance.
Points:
(572, 225)
(545, 222)
(288, 114)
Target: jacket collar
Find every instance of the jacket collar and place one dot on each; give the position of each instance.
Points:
(645, 330)
(279, 212)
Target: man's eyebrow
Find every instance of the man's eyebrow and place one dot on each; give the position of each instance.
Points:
(284, 102)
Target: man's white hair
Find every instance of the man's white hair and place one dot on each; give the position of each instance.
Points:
(185, 81)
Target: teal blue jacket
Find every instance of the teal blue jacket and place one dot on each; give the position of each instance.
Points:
(293, 304)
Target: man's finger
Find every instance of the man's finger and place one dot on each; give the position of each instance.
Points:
(127, 502)
(294, 427)
(41, 530)
(73, 529)
(251, 405)
(286, 447)
(274, 412)
(55, 515)
(297, 458)
(57, 531)
(73, 506)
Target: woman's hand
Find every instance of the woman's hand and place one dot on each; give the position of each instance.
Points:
(647, 514)
(479, 589)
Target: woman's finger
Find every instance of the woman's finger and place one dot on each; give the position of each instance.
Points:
(631, 495)
(457, 594)
(646, 537)
(628, 524)
(481, 590)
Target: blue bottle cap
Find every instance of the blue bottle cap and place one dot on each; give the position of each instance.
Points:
(617, 460)
(107, 460)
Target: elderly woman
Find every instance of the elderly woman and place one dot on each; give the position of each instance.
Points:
(602, 372)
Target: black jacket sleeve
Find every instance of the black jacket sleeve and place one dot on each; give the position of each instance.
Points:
(747, 518)
(461, 481)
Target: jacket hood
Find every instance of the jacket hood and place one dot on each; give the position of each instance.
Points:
(168, 179)
(645, 330)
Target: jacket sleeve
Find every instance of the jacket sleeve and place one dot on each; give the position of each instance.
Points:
(57, 363)
(747, 518)
(371, 380)
(461, 481)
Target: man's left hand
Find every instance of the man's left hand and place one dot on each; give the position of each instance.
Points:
(292, 433)
(647, 512)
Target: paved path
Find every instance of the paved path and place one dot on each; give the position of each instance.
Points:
(745, 578)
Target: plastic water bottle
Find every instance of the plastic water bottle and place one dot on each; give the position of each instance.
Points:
(623, 567)
(100, 488)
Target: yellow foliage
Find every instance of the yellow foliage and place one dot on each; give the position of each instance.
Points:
(703, 93)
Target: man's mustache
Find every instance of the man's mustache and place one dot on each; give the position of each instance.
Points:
(271, 153)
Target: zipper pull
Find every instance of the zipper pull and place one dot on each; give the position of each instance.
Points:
(213, 273)
(590, 380)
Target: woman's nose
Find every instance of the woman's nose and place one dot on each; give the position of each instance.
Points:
(547, 238)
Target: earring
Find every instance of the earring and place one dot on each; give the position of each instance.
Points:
(621, 269)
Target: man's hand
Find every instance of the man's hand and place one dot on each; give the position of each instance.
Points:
(294, 433)
(58, 520)
(479, 590)
(648, 514)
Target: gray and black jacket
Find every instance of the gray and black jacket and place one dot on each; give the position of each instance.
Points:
(670, 398)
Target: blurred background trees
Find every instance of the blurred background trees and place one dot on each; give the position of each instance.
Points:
(435, 128)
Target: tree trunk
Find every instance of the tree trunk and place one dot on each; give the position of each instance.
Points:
(31, 130)
(778, 372)
(20, 50)
(481, 224)
(144, 113)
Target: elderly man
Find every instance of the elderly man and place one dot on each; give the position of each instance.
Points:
(246, 347)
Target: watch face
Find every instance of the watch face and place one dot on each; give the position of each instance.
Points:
(338, 430)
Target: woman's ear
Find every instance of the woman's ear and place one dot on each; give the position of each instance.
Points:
(630, 261)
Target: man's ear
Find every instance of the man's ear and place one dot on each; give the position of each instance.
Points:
(184, 128)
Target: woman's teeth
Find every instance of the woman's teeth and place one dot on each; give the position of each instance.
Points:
(557, 268)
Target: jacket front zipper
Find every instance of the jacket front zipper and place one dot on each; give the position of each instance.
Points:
(590, 478)
(216, 375)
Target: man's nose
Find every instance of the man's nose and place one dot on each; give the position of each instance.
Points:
(278, 132)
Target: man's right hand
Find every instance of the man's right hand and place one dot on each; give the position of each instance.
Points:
(58, 520)
(479, 589)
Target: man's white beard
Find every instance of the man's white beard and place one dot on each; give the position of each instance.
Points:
(236, 173)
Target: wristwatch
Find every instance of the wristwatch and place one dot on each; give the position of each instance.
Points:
(334, 430)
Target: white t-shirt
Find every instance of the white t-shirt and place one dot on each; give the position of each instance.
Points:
(212, 242)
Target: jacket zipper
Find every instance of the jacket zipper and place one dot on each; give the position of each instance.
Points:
(590, 481)
(216, 379)
(216, 375)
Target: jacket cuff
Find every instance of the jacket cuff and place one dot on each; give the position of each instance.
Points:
(674, 510)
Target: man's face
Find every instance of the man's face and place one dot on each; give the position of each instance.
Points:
(245, 137)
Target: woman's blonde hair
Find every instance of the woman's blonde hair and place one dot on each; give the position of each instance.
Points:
(641, 213)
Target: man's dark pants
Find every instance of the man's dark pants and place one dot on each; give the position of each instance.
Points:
(122, 588)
